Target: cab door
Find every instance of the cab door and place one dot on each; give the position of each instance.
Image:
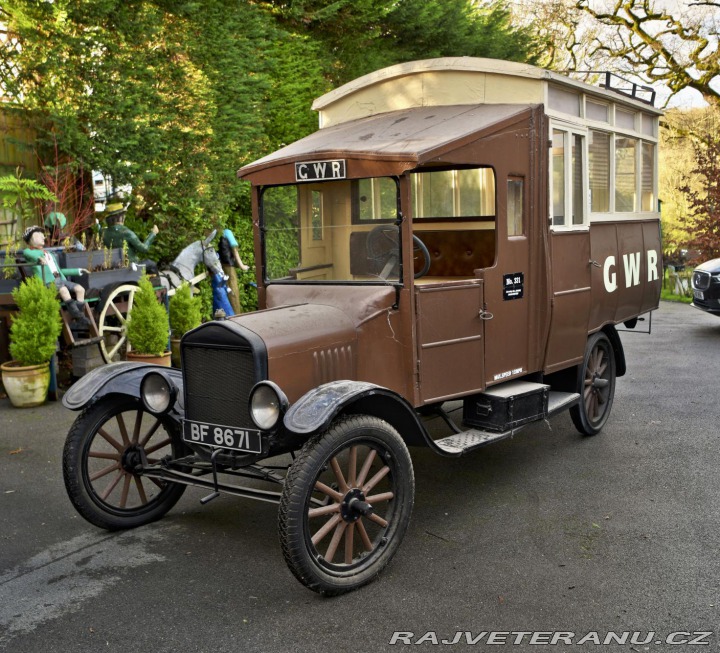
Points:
(450, 339)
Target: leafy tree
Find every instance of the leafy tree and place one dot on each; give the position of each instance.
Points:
(173, 96)
(364, 35)
(161, 95)
(23, 197)
(672, 43)
(703, 225)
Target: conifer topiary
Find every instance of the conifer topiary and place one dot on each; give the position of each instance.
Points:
(147, 326)
(185, 311)
(35, 329)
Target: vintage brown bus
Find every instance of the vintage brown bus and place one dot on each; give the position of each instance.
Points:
(459, 232)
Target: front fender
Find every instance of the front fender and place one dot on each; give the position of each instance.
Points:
(118, 378)
(316, 410)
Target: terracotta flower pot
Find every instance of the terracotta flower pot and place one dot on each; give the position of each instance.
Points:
(26, 385)
(163, 359)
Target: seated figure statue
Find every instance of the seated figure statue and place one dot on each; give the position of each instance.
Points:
(45, 265)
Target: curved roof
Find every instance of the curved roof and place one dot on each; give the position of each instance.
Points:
(411, 135)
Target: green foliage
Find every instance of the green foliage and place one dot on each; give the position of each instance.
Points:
(174, 97)
(22, 196)
(702, 226)
(36, 328)
(184, 311)
(364, 35)
(147, 326)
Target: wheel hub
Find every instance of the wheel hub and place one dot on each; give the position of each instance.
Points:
(133, 459)
(354, 506)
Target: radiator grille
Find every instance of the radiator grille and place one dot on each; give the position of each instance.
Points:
(701, 280)
(217, 384)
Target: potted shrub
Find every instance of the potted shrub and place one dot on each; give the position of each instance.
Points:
(33, 338)
(185, 314)
(147, 327)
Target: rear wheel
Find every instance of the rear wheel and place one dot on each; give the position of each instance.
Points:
(105, 451)
(346, 505)
(596, 385)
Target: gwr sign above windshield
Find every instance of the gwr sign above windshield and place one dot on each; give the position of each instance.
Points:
(320, 170)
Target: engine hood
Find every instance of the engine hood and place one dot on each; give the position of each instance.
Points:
(306, 344)
(711, 266)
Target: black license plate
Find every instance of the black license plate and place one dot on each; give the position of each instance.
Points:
(227, 437)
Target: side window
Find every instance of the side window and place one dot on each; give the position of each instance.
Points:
(569, 205)
(515, 214)
(599, 169)
(447, 194)
(316, 215)
(625, 174)
(374, 200)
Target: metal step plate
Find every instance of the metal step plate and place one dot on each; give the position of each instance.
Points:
(461, 443)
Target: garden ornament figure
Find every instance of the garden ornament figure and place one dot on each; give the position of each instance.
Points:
(230, 259)
(45, 265)
(183, 269)
(116, 234)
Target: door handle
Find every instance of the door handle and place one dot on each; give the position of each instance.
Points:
(485, 315)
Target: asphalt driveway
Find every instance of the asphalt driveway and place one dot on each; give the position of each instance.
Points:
(547, 532)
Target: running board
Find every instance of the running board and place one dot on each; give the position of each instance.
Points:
(459, 444)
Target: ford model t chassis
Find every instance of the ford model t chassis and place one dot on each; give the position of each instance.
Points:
(460, 234)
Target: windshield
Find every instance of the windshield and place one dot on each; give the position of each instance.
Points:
(338, 231)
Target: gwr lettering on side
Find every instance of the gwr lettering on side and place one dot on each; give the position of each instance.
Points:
(631, 269)
(320, 170)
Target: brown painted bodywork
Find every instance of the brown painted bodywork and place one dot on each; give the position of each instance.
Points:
(432, 340)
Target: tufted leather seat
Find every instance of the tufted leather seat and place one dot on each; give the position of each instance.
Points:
(458, 253)
(452, 253)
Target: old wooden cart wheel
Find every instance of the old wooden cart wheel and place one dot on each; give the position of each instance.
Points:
(346, 504)
(104, 452)
(596, 385)
(112, 322)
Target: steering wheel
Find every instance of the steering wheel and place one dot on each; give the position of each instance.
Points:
(420, 246)
(382, 247)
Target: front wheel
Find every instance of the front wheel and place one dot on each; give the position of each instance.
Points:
(105, 451)
(596, 385)
(346, 504)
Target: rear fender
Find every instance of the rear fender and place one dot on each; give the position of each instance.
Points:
(315, 410)
(620, 365)
(121, 379)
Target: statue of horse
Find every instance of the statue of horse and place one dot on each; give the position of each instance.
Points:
(183, 269)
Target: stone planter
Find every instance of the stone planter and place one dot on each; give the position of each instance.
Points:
(8, 285)
(104, 278)
(89, 259)
(26, 385)
(163, 359)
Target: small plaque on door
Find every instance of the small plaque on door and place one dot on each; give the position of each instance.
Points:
(513, 286)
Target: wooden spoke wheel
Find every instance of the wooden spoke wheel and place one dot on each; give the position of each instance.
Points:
(346, 504)
(115, 304)
(596, 385)
(104, 454)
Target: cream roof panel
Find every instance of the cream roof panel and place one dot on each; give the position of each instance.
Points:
(447, 81)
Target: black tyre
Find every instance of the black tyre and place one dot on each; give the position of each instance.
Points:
(596, 385)
(346, 505)
(105, 447)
